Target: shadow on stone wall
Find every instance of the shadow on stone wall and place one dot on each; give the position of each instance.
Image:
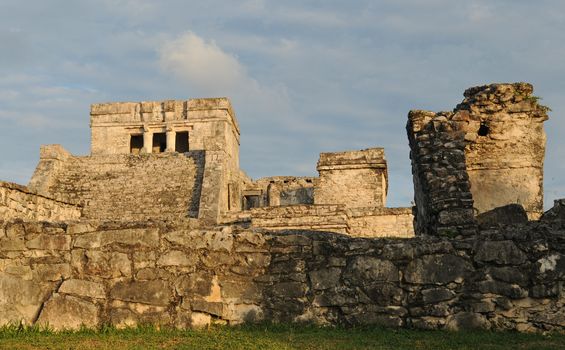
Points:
(199, 158)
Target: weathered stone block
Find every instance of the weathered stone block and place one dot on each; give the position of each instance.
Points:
(512, 291)
(212, 308)
(508, 274)
(21, 300)
(467, 321)
(139, 238)
(383, 294)
(148, 292)
(437, 269)
(83, 288)
(238, 313)
(23, 272)
(67, 312)
(50, 242)
(242, 291)
(289, 289)
(12, 244)
(341, 296)
(325, 278)
(177, 258)
(198, 284)
(101, 264)
(51, 272)
(434, 295)
(506, 215)
(367, 269)
(500, 252)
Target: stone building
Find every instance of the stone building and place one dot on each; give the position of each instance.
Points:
(486, 154)
(179, 160)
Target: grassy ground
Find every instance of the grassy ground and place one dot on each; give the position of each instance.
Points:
(273, 337)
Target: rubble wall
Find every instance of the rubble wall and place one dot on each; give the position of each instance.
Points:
(126, 187)
(66, 275)
(17, 202)
(442, 190)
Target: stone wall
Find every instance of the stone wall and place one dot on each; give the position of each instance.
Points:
(93, 274)
(380, 222)
(442, 191)
(17, 202)
(331, 218)
(355, 222)
(125, 187)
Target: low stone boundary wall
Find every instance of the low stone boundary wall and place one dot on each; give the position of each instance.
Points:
(306, 217)
(380, 222)
(66, 275)
(356, 222)
(17, 202)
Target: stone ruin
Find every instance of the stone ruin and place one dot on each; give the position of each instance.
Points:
(160, 225)
(487, 153)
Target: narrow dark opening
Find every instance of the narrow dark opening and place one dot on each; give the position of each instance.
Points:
(483, 129)
(251, 201)
(159, 142)
(309, 181)
(181, 143)
(136, 144)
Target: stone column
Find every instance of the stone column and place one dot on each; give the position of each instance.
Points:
(171, 140)
(147, 140)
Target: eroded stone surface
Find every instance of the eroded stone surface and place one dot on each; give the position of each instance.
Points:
(68, 312)
(83, 288)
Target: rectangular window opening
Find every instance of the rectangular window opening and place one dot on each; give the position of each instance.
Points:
(181, 142)
(159, 142)
(251, 201)
(136, 144)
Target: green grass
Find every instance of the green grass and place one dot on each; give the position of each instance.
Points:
(272, 337)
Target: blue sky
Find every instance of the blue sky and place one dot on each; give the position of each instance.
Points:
(304, 76)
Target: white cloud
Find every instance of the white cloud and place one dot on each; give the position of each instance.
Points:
(478, 12)
(205, 68)
(203, 64)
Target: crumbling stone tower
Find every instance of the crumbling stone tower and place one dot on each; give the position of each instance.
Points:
(485, 154)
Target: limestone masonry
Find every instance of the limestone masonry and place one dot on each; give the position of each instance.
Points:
(160, 225)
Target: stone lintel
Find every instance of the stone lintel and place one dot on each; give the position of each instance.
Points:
(373, 158)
